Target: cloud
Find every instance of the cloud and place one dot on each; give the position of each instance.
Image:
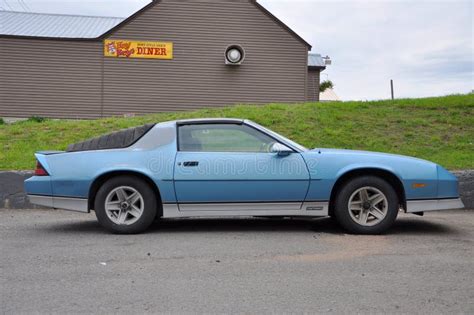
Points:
(425, 46)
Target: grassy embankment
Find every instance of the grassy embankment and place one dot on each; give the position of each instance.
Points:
(440, 129)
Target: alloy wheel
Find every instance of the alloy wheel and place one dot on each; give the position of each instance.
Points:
(124, 205)
(368, 206)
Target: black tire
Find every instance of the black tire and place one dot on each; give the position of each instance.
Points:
(149, 205)
(343, 214)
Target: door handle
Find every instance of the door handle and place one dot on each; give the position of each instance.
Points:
(190, 163)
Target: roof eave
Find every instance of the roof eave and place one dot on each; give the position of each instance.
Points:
(151, 4)
(278, 21)
(320, 68)
(129, 19)
(49, 37)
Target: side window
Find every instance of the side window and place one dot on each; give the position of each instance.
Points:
(223, 138)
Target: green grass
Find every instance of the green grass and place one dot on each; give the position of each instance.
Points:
(439, 129)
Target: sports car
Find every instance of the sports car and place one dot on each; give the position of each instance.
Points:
(233, 167)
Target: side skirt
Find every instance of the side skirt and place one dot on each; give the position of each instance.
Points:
(71, 204)
(307, 209)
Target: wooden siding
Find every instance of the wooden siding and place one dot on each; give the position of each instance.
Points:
(71, 78)
(50, 78)
(313, 85)
(274, 69)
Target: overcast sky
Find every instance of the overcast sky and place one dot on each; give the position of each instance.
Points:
(425, 46)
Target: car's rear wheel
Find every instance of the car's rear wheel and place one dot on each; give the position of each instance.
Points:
(125, 205)
(366, 205)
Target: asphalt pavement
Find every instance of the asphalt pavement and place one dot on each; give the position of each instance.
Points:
(53, 261)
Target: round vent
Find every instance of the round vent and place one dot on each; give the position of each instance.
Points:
(234, 55)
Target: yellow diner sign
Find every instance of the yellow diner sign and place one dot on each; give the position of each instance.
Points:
(137, 49)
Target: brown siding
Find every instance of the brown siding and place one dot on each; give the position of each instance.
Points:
(67, 78)
(313, 85)
(52, 78)
(274, 69)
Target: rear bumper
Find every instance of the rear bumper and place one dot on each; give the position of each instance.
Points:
(433, 205)
(72, 204)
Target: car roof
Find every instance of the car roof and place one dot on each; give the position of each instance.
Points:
(209, 121)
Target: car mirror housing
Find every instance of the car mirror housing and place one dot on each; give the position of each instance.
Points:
(281, 150)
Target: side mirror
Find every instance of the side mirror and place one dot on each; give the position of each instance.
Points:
(281, 150)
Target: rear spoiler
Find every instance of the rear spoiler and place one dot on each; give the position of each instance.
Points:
(41, 156)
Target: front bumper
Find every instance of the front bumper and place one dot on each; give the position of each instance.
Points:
(73, 204)
(433, 205)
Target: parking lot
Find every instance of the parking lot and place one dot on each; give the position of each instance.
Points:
(62, 262)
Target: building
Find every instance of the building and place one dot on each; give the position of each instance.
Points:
(171, 55)
(329, 95)
(316, 64)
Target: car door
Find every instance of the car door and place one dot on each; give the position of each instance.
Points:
(222, 163)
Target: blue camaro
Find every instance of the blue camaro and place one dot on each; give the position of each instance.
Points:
(233, 167)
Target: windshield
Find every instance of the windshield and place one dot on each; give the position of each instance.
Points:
(285, 140)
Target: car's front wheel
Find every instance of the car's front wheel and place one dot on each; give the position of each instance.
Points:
(125, 205)
(366, 205)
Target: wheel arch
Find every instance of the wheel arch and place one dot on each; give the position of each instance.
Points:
(387, 175)
(98, 181)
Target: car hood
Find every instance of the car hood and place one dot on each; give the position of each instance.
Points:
(365, 154)
(332, 163)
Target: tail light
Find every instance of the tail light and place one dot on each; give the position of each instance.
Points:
(40, 171)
